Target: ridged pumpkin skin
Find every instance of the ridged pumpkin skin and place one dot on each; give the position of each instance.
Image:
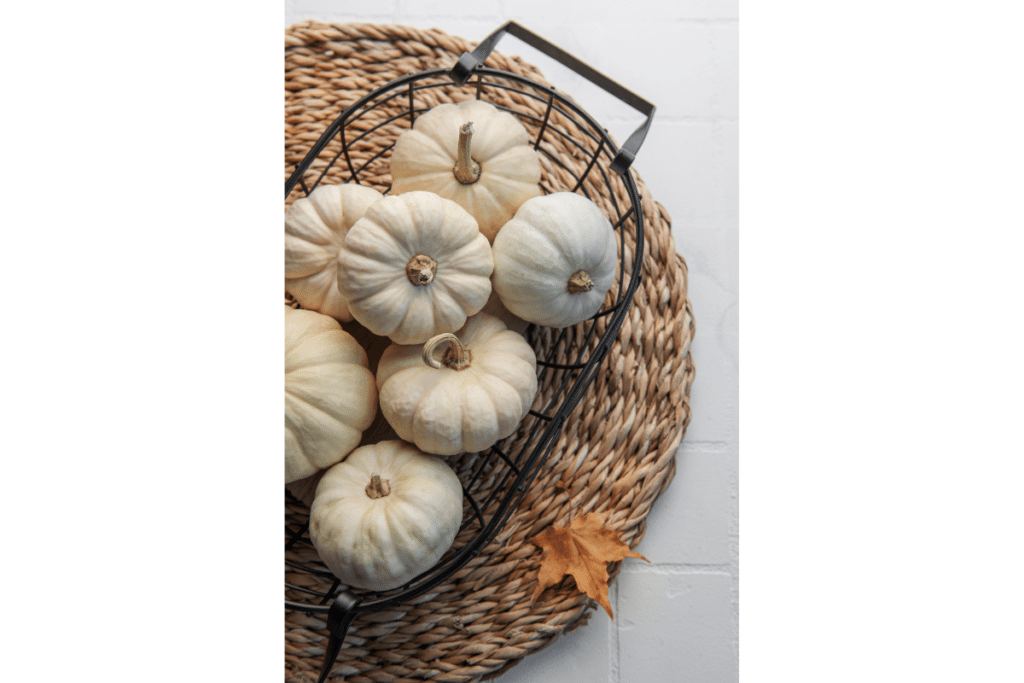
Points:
(509, 167)
(446, 411)
(414, 266)
(381, 543)
(330, 397)
(555, 261)
(314, 230)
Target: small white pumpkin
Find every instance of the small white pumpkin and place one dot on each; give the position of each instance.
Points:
(314, 230)
(385, 515)
(472, 153)
(476, 394)
(414, 266)
(555, 260)
(330, 396)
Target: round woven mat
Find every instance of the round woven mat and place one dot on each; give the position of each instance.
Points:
(616, 451)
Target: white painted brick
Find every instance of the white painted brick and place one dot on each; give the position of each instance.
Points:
(722, 9)
(730, 182)
(563, 35)
(676, 628)
(669, 64)
(725, 50)
(690, 523)
(359, 11)
(451, 9)
(471, 28)
(714, 395)
(712, 289)
(681, 164)
(727, 335)
(669, 59)
(578, 656)
(614, 11)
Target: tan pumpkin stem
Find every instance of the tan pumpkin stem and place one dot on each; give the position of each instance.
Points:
(420, 270)
(580, 282)
(377, 488)
(455, 357)
(466, 170)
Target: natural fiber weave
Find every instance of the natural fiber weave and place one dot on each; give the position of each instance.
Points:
(616, 452)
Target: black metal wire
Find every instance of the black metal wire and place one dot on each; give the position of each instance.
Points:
(570, 364)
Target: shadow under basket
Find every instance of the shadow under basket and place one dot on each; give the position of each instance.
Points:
(613, 403)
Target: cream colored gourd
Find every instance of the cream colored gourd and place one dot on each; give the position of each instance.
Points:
(414, 266)
(555, 260)
(461, 392)
(314, 230)
(330, 396)
(385, 515)
(472, 153)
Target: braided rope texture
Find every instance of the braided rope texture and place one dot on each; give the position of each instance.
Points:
(616, 451)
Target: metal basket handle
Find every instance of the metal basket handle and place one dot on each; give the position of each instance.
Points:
(463, 69)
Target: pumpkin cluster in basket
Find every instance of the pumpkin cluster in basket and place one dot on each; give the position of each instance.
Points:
(408, 347)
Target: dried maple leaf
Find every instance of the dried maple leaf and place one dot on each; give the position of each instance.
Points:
(583, 549)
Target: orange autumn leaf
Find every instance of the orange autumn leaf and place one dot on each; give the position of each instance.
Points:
(583, 550)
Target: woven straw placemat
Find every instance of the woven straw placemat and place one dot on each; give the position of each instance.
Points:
(616, 451)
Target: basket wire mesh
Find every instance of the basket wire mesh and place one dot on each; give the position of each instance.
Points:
(356, 148)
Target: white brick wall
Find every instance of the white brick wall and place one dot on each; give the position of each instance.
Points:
(676, 618)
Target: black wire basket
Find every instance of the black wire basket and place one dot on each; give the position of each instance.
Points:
(352, 149)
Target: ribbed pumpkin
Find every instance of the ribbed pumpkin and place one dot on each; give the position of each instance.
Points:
(330, 396)
(555, 261)
(314, 230)
(414, 266)
(475, 394)
(472, 153)
(385, 515)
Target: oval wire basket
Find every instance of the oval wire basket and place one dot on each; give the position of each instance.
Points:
(470, 615)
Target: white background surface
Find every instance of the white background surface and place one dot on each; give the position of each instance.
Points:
(675, 618)
(882, 227)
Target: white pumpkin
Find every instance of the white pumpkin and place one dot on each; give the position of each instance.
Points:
(414, 266)
(472, 153)
(385, 515)
(476, 394)
(314, 230)
(555, 260)
(330, 396)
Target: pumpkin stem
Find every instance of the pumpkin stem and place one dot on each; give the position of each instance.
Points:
(377, 488)
(580, 282)
(455, 357)
(466, 170)
(420, 270)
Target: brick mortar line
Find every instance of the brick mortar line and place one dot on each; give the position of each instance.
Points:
(705, 442)
(707, 447)
(526, 22)
(614, 674)
(496, 18)
(724, 569)
(682, 119)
